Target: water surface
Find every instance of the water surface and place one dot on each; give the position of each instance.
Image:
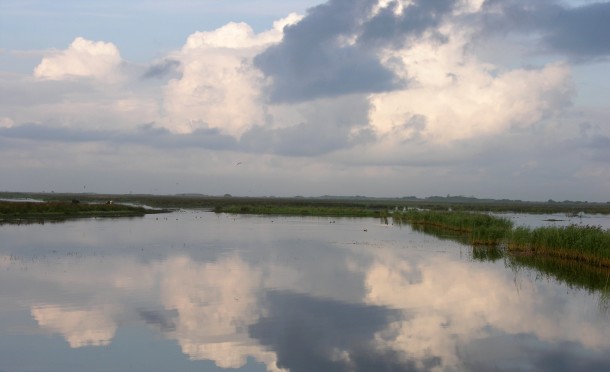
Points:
(200, 291)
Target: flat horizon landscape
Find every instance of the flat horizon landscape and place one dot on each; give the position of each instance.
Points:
(304, 185)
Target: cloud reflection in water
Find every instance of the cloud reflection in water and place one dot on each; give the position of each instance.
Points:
(343, 307)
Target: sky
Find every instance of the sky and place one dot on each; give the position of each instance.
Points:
(484, 98)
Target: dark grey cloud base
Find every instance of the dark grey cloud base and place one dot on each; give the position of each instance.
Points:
(581, 32)
(313, 60)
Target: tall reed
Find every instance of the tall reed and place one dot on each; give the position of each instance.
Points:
(481, 229)
(584, 243)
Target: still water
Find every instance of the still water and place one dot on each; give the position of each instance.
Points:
(197, 291)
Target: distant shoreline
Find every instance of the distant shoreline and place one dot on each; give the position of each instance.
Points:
(283, 205)
(25, 211)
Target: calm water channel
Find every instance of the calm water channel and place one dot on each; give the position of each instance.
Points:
(196, 291)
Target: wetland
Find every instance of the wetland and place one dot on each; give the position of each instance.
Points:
(201, 289)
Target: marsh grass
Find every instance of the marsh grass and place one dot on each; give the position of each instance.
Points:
(480, 229)
(18, 211)
(300, 210)
(463, 204)
(589, 244)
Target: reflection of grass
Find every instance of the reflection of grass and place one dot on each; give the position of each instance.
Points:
(17, 211)
(487, 253)
(573, 273)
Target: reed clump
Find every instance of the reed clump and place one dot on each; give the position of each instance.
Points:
(481, 229)
(589, 244)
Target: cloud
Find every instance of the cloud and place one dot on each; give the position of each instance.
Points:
(6, 122)
(148, 134)
(581, 32)
(405, 91)
(161, 69)
(473, 103)
(313, 128)
(315, 58)
(219, 86)
(578, 32)
(83, 58)
(397, 22)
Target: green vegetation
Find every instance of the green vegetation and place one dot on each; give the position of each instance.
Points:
(455, 203)
(481, 229)
(299, 210)
(589, 244)
(31, 211)
(460, 216)
(577, 255)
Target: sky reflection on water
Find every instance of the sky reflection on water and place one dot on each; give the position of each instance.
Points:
(195, 290)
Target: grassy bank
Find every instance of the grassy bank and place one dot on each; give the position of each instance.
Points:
(17, 211)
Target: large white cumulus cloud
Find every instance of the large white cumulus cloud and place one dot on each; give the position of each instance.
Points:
(83, 58)
(431, 86)
(226, 79)
(219, 86)
(455, 96)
